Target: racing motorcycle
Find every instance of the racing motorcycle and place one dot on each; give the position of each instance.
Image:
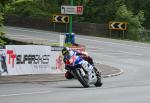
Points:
(83, 71)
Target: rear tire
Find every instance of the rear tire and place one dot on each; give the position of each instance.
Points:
(82, 79)
(98, 82)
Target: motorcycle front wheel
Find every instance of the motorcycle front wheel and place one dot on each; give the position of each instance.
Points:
(82, 79)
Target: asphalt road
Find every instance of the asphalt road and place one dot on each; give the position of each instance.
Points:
(132, 86)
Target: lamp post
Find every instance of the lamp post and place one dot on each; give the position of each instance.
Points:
(70, 23)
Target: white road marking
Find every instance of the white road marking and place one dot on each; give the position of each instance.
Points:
(21, 94)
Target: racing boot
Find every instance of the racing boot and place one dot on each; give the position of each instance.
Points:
(98, 74)
(68, 75)
(96, 71)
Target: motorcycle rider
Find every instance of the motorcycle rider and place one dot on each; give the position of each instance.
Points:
(68, 53)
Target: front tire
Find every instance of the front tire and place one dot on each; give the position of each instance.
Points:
(83, 80)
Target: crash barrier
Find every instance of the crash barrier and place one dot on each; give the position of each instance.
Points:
(31, 59)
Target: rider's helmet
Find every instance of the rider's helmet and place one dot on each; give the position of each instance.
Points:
(65, 51)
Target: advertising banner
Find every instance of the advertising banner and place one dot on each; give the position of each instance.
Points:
(28, 59)
(31, 59)
(3, 67)
(57, 65)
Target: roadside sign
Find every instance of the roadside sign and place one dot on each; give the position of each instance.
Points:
(72, 10)
(79, 9)
(60, 19)
(118, 25)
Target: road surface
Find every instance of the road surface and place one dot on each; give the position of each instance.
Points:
(131, 87)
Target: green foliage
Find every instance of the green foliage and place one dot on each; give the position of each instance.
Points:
(30, 8)
(2, 5)
(2, 34)
(135, 27)
(96, 11)
(137, 5)
(1, 19)
(1, 23)
(2, 41)
(4, 2)
(100, 11)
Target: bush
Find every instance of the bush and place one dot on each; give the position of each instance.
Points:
(135, 22)
(27, 8)
(1, 19)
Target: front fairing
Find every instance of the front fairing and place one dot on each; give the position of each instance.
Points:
(74, 62)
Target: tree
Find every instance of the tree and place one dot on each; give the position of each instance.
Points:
(1, 19)
(2, 6)
(2, 42)
(101, 11)
(134, 21)
(137, 5)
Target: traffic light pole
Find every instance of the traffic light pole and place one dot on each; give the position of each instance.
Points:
(70, 25)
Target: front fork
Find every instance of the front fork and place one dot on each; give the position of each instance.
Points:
(82, 72)
(91, 72)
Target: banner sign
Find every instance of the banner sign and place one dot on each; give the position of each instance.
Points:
(32, 59)
(28, 59)
(57, 64)
(3, 67)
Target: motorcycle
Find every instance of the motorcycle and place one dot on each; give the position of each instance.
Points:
(83, 71)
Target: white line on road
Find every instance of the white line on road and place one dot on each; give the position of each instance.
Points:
(21, 94)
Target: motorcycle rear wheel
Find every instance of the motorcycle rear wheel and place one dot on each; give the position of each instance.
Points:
(98, 82)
